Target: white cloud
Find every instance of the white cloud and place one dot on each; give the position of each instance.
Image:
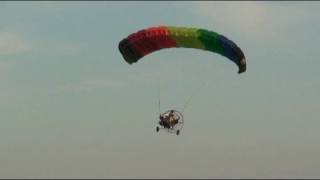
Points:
(238, 13)
(62, 48)
(4, 73)
(6, 93)
(11, 43)
(4, 66)
(259, 19)
(87, 85)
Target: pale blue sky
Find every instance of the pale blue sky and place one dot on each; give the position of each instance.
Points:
(71, 107)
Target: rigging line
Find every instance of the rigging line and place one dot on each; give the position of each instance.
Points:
(159, 110)
(192, 95)
(159, 96)
(203, 83)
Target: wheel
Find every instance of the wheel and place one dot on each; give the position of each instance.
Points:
(157, 128)
(178, 132)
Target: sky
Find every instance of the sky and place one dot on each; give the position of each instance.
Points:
(71, 107)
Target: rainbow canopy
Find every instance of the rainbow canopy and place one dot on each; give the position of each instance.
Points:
(146, 41)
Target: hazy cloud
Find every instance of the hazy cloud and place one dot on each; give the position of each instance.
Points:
(87, 85)
(259, 19)
(12, 43)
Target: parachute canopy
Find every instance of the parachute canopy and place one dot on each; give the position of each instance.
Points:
(146, 41)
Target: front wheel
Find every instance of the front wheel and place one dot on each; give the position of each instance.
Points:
(178, 132)
(157, 128)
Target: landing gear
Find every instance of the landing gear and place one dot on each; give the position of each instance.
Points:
(178, 132)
